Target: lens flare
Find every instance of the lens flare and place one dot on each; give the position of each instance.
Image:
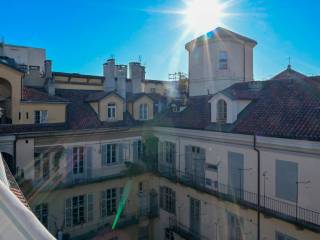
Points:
(201, 16)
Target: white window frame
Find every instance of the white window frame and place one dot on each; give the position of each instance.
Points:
(112, 111)
(222, 111)
(223, 60)
(143, 111)
(78, 160)
(109, 202)
(40, 116)
(42, 212)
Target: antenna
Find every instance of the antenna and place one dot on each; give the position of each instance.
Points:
(289, 63)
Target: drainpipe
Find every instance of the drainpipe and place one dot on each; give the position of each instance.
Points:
(258, 189)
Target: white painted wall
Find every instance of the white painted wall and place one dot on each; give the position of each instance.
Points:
(234, 107)
(204, 72)
(26, 55)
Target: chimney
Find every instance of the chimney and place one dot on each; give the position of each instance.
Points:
(109, 75)
(48, 77)
(137, 76)
(121, 79)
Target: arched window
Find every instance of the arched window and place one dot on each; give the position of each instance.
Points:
(222, 111)
(111, 113)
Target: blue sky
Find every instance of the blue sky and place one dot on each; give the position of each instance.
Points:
(80, 35)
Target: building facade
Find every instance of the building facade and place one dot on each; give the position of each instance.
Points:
(99, 157)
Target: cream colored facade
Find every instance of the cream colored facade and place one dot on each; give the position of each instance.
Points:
(134, 108)
(23, 112)
(101, 107)
(205, 74)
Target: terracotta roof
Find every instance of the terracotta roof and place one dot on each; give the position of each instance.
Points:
(287, 108)
(289, 73)
(31, 94)
(14, 187)
(80, 115)
(100, 95)
(244, 91)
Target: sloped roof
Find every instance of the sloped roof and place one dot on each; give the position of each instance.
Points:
(100, 95)
(220, 33)
(244, 91)
(287, 108)
(31, 94)
(80, 115)
(289, 73)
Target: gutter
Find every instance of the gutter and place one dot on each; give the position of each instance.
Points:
(258, 188)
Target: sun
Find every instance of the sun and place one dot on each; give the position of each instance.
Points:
(201, 16)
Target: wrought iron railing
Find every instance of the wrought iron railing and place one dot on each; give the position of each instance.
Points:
(268, 205)
(185, 231)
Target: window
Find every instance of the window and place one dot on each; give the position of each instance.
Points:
(41, 211)
(234, 227)
(109, 154)
(78, 210)
(143, 111)
(169, 234)
(112, 111)
(281, 236)
(40, 116)
(168, 199)
(152, 90)
(222, 111)
(170, 152)
(78, 160)
(108, 202)
(194, 222)
(286, 180)
(37, 68)
(223, 60)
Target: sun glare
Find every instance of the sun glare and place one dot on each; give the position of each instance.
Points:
(201, 16)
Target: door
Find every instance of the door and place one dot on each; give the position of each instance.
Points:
(235, 174)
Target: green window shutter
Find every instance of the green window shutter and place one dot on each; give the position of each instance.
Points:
(90, 207)
(68, 212)
(120, 152)
(104, 155)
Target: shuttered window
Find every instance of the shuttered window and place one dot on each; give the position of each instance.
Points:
(168, 199)
(78, 210)
(286, 180)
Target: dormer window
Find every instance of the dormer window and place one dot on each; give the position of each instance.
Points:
(143, 111)
(111, 111)
(223, 60)
(222, 111)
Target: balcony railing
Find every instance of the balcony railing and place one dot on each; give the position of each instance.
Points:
(270, 206)
(185, 231)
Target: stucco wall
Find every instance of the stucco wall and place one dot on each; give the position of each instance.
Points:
(204, 72)
(136, 107)
(103, 107)
(56, 112)
(14, 78)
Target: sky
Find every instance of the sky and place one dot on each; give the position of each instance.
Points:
(80, 35)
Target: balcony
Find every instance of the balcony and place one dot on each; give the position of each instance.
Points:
(126, 220)
(57, 180)
(292, 213)
(184, 231)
